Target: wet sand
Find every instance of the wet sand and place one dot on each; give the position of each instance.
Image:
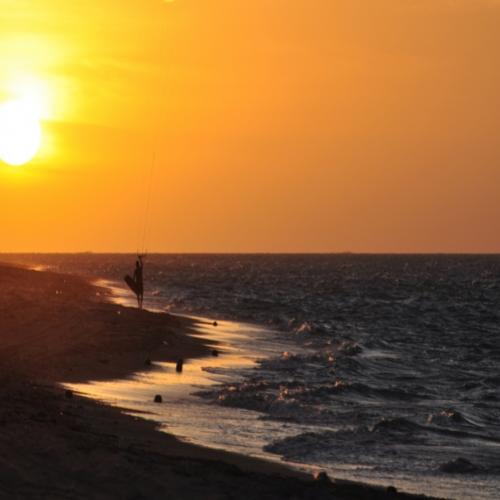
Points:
(59, 328)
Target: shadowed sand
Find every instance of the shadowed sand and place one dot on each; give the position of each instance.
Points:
(56, 328)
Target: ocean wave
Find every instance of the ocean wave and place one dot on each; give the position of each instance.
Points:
(362, 441)
(390, 439)
(449, 417)
(460, 466)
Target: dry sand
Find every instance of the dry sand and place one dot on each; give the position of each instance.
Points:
(59, 328)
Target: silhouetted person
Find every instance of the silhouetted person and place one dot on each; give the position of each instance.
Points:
(139, 281)
(135, 283)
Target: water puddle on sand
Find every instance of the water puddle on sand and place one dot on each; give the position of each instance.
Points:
(190, 417)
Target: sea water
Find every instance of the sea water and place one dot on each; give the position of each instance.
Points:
(379, 368)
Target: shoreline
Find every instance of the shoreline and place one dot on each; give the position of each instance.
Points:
(60, 328)
(64, 328)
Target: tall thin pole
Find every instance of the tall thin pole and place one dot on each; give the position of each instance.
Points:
(148, 204)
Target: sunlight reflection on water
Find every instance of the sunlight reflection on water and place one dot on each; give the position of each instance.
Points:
(187, 416)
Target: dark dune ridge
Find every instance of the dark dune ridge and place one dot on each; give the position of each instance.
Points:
(55, 328)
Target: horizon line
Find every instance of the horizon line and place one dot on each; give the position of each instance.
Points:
(90, 252)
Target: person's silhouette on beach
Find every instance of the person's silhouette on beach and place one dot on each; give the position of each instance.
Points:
(136, 283)
(138, 278)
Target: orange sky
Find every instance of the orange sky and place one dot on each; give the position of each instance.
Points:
(278, 125)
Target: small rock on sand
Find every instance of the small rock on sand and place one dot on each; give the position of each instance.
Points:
(178, 367)
(158, 398)
(322, 477)
(215, 323)
(215, 352)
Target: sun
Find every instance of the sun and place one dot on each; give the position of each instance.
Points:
(21, 112)
(20, 131)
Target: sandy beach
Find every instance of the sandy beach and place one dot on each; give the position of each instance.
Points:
(59, 328)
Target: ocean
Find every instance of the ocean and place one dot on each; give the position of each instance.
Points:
(379, 368)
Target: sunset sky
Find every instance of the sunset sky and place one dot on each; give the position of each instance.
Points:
(278, 125)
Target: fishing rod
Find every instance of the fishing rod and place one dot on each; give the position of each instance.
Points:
(147, 207)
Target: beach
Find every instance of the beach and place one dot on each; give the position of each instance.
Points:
(59, 328)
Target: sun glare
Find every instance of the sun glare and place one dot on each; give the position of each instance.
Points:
(20, 131)
(20, 116)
